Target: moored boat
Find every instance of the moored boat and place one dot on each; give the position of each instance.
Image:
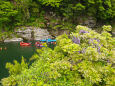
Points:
(51, 40)
(43, 40)
(24, 44)
(38, 44)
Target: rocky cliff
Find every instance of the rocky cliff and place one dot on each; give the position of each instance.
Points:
(34, 33)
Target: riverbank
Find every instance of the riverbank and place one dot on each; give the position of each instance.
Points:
(33, 33)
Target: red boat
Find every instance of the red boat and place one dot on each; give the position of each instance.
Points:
(24, 44)
(38, 44)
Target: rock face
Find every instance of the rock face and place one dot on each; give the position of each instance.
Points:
(41, 34)
(58, 32)
(33, 33)
(87, 21)
(13, 39)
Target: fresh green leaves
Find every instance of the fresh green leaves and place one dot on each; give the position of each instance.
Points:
(68, 12)
(7, 14)
(53, 3)
(87, 63)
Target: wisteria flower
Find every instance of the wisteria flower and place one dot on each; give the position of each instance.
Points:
(76, 40)
(83, 31)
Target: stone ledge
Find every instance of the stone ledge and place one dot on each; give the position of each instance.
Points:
(13, 40)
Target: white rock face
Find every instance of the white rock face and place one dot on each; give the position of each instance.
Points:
(13, 40)
(41, 34)
(38, 33)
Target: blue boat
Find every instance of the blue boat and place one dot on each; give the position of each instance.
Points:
(43, 40)
(48, 40)
(51, 40)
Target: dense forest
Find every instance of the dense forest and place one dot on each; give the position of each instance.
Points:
(62, 14)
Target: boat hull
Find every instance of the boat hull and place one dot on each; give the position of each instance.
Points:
(24, 44)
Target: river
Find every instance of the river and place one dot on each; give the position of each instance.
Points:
(13, 51)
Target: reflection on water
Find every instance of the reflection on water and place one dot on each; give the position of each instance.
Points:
(13, 51)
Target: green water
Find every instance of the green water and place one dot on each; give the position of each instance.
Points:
(13, 52)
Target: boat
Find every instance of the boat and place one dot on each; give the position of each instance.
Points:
(43, 40)
(38, 44)
(51, 40)
(54, 43)
(24, 44)
(48, 40)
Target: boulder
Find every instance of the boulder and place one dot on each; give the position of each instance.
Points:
(34, 33)
(13, 39)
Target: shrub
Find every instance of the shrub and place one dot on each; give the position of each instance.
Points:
(85, 58)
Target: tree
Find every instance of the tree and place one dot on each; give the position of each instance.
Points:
(7, 14)
(23, 6)
(53, 3)
(113, 7)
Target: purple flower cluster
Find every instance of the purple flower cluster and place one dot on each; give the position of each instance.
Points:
(83, 31)
(96, 45)
(79, 51)
(76, 40)
(83, 51)
(91, 41)
(98, 49)
(97, 40)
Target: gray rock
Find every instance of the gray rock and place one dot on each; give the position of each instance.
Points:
(35, 33)
(13, 39)
(38, 33)
(87, 21)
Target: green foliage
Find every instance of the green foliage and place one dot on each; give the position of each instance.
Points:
(85, 58)
(61, 25)
(79, 7)
(14, 70)
(23, 7)
(98, 8)
(37, 22)
(104, 9)
(28, 12)
(7, 14)
(107, 28)
(113, 7)
(4, 35)
(53, 3)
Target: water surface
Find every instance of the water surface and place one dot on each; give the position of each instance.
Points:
(13, 51)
